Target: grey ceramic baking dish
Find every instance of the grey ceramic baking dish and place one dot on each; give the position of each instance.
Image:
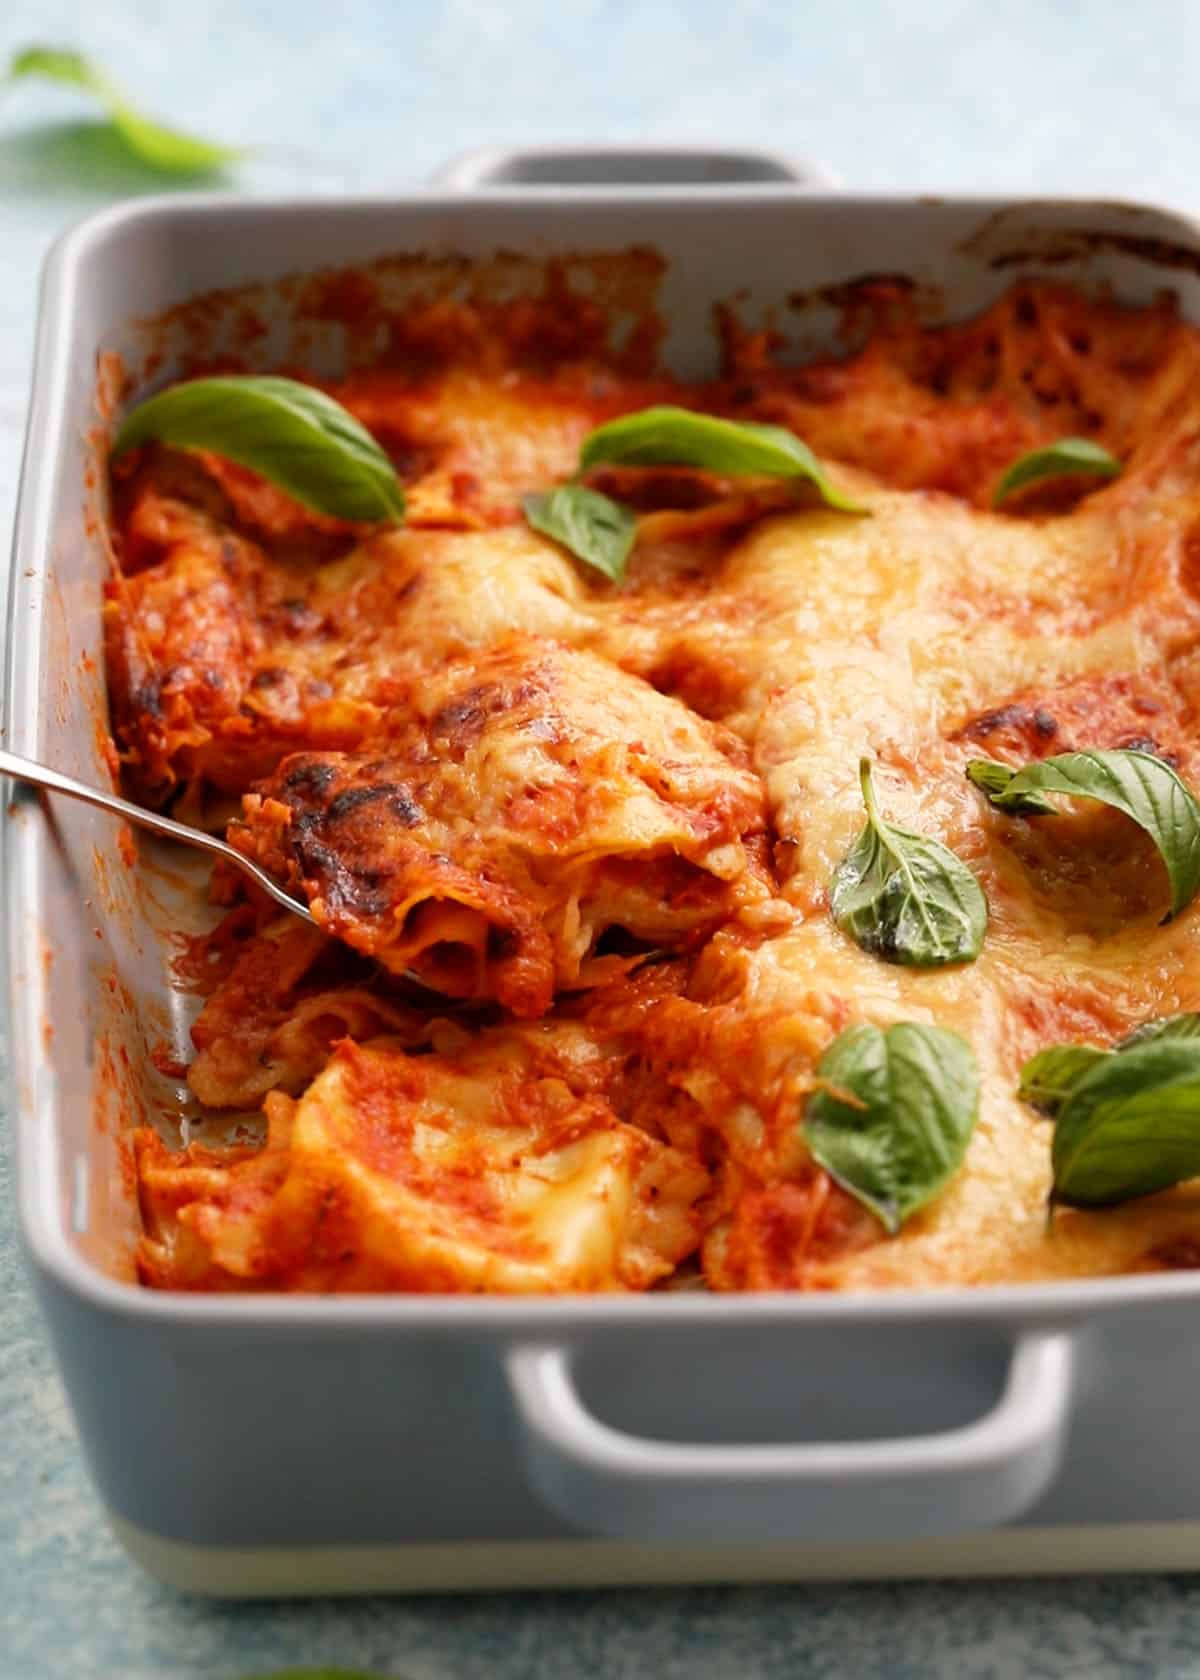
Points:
(264, 1444)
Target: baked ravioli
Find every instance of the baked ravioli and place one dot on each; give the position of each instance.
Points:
(575, 841)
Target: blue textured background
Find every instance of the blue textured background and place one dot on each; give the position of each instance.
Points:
(366, 94)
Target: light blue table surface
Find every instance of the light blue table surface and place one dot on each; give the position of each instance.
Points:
(367, 94)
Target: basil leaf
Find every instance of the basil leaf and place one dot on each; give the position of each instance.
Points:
(1058, 460)
(1048, 1078)
(291, 433)
(593, 527)
(906, 898)
(317, 1674)
(1128, 1119)
(994, 778)
(1166, 1026)
(679, 437)
(1131, 1126)
(917, 1098)
(162, 148)
(1143, 787)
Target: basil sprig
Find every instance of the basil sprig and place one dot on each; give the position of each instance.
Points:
(1127, 1120)
(904, 897)
(291, 433)
(1136, 783)
(1130, 1126)
(681, 437)
(601, 532)
(894, 1114)
(995, 779)
(1062, 459)
(1049, 1078)
(593, 527)
(161, 147)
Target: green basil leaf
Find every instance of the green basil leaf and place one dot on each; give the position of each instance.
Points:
(1048, 1078)
(906, 898)
(1058, 460)
(1166, 1026)
(292, 434)
(917, 1098)
(680, 437)
(994, 778)
(163, 148)
(1131, 1126)
(593, 527)
(1141, 786)
(317, 1674)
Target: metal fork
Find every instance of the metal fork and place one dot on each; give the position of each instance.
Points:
(53, 781)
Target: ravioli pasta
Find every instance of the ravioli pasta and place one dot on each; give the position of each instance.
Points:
(569, 844)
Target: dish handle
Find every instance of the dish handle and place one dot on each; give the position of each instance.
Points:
(575, 167)
(974, 1476)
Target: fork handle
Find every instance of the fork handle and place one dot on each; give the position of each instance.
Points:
(53, 781)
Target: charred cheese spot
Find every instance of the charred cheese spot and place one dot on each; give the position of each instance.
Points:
(1101, 710)
(531, 799)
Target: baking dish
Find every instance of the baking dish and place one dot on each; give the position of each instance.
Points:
(264, 1444)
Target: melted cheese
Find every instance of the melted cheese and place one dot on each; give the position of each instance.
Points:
(526, 801)
(481, 1172)
(480, 760)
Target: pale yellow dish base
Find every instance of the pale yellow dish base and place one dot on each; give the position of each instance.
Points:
(283, 1571)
